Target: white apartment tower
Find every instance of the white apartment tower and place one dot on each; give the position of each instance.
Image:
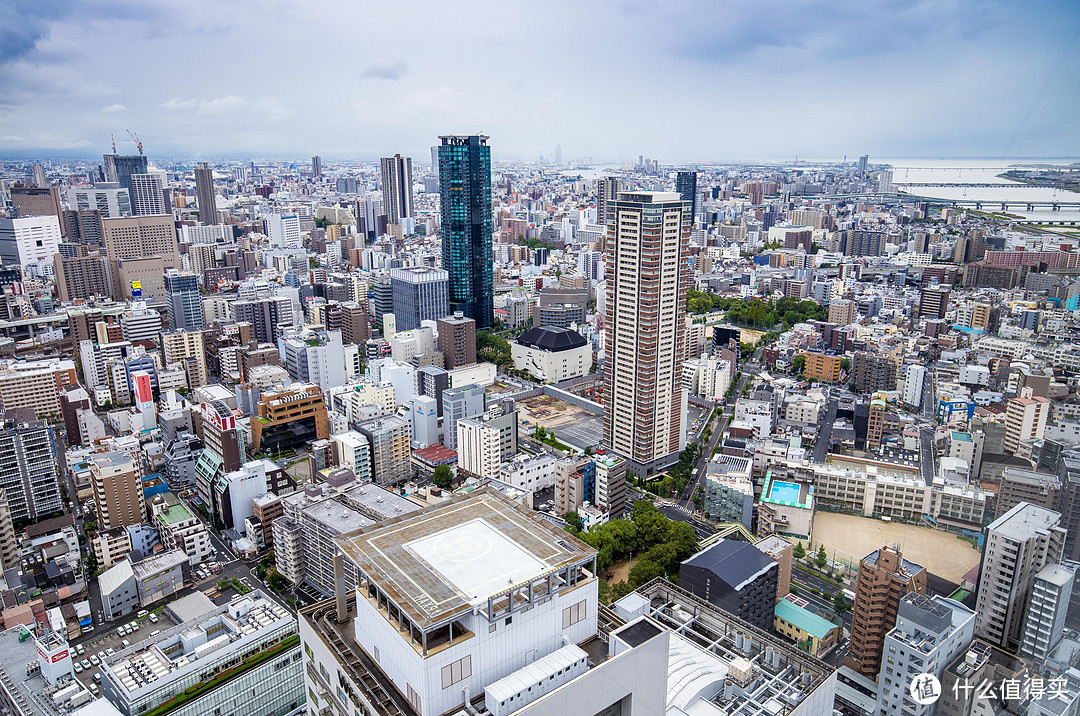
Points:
(1019, 544)
(648, 235)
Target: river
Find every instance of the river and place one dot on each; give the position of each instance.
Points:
(912, 172)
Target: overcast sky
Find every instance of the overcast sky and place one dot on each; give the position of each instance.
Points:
(676, 80)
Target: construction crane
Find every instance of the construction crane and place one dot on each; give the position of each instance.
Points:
(135, 138)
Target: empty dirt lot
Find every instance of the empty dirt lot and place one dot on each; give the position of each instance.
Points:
(851, 538)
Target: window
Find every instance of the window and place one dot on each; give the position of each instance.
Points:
(455, 672)
(573, 614)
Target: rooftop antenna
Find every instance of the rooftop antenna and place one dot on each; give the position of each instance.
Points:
(113, 137)
(135, 138)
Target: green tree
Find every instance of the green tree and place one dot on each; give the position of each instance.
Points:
(845, 364)
(799, 551)
(821, 559)
(840, 603)
(443, 477)
(573, 519)
(798, 364)
(645, 571)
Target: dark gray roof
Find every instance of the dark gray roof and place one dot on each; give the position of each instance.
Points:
(734, 562)
(552, 339)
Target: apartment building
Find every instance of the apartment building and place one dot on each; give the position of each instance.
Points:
(118, 489)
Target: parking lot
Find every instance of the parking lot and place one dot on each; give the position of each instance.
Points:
(113, 640)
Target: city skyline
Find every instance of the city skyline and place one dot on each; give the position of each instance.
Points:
(802, 80)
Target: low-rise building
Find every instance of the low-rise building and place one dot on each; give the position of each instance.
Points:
(242, 657)
(810, 632)
(179, 529)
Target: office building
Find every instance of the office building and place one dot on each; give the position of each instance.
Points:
(419, 294)
(241, 657)
(466, 401)
(120, 167)
(232, 493)
(283, 230)
(390, 438)
(204, 194)
(108, 199)
(1044, 621)
(354, 322)
(736, 577)
(646, 317)
(933, 302)
(289, 418)
(29, 476)
(269, 317)
(317, 357)
(843, 312)
(29, 240)
(467, 227)
(80, 277)
(148, 194)
(40, 200)
(1018, 545)
(930, 632)
(118, 490)
(885, 577)
(456, 341)
(686, 186)
(316, 167)
(397, 187)
(138, 238)
(184, 304)
(305, 535)
(728, 492)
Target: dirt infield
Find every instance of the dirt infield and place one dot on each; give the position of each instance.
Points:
(851, 538)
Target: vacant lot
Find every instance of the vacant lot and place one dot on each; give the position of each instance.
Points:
(852, 538)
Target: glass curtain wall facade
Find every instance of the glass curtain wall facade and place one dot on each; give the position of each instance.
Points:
(465, 192)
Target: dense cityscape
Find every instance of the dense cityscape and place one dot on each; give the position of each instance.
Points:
(607, 359)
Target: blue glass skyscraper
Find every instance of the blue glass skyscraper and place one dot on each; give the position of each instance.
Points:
(185, 304)
(465, 191)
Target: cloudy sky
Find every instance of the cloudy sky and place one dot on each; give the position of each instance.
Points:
(678, 80)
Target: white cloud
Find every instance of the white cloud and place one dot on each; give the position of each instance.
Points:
(222, 105)
(113, 108)
(176, 103)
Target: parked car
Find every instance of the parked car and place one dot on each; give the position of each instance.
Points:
(77, 667)
(142, 613)
(153, 618)
(94, 659)
(85, 663)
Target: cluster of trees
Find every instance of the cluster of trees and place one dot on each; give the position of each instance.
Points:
(493, 348)
(756, 312)
(536, 244)
(662, 544)
(677, 478)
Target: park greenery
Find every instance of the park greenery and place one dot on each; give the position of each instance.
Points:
(660, 545)
(756, 312)
(493, 348)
